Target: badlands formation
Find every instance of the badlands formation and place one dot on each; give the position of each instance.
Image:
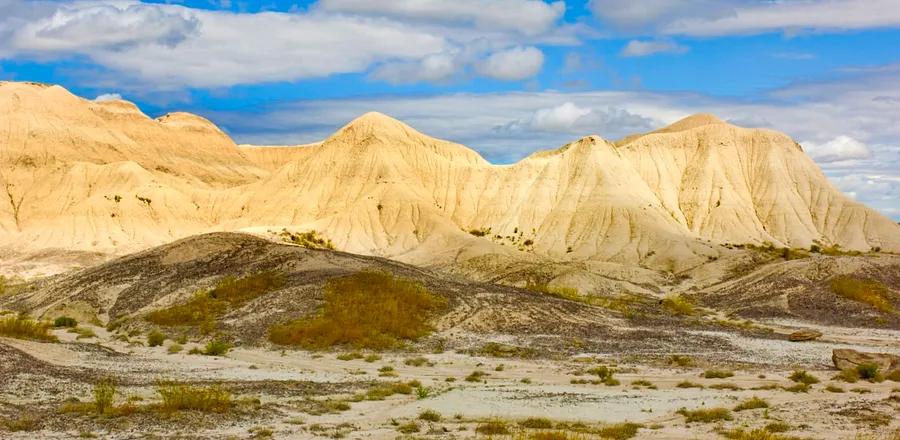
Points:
(700, 281)
(102, 177)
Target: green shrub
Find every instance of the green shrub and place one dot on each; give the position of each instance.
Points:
(216, 348)
(372, 358)
(871, 292)
(778, 427)
(869, 371)
(752, 403)
(179, 397)
(65, 321)
(365, 310)
(21, 327)
(175, 348)
(705, 415)
(801, 376)
(104, 393)
(155, 339)
(831, 388)
(849, 375)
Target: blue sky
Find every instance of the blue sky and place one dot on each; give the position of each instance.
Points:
(505, 77)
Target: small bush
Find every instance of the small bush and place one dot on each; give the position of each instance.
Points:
(752, 403)
(417, 362)
(175, 348)
(380, 392)
(365, 310)
(350, 356)
(725, 386)
(871, 292)
(536, 423)
(756, 434)
(869, 371)
(423, 392)
(155, 339)
(493, 427)
(681, 361)
(801, 376)
(705, 415)
(372, 358)
(308, 239)
(688, 384)
(216, 348)
(678, 305)
(849, 375)
(82, 332)
(831, 388)
(798, 388)
(619, 431)
(476, 376)
(717, 374)
(180, 397)
(65, 321)
(409, 428)
(430, 416)
(21, 327)
(104, 393)
(778, 427)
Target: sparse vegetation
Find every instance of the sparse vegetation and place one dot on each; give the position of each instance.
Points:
(175, 348)
(831, 388)
(756, 434)
(705, 415)
(798, 388)
(409, 428)
(308, 239)
(22, 327)
(430, 416)
(801, 376)
(493, 427)
(717, 374)
(365, 310)
(681, 360)
(104, 395)
(678, 305)
(65, 322)
(155, 339)
(179, 397)
(476, 376)
(216, 348)
(871, 292)
(350, 356)
(536, 423)
(24, 423)
(619, 431)
(496, 349)
(752, 403)
(869, 372)
(688, 384)
(417, 362)
(849, 375)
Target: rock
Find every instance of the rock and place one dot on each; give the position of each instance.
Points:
(846, 358)
(804, 335)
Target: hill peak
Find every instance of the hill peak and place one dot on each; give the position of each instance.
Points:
(691, 122)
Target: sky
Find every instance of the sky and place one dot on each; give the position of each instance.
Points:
(504, 77)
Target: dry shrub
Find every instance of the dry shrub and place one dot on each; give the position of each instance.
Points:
(752, 403)
(678, 305)
(705, 415)
(180, 397)
(493, 427)
(20, 327)
(870, 292)
(365, 310)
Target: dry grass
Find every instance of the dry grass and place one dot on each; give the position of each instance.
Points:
(493, 427)
(678, 305)
(24, 423)
(430, 416)
(752, 403)
(717, 374)
(104, 395)
(206, 306)
(20, 327)
(181, 397)
(870, 292)
(364, 310)
(705, 415)
(756, 434)
(801, 376)
(308, 239)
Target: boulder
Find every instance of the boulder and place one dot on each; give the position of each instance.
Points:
(846, 358)
(804, 335)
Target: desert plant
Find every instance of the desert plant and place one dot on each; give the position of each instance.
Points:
(417, 362)
(831, 388)
(65, 321)
(619, 431)
(216, 348)
(678, 305)
(801, 376)
(104, 393)
(178, 397)
(175, 348)
(364, 310)
(309, 239)
(717, 374)
(23, 423)
(409, 428)
(350, 356)
(688, 384)
(536, 423)
(752, 403)
(869, 371)
(476, 376)
(21, 327)
(849, 375)
(430, 416)
(372, 358)
(493, 427)
(705, 415)
(798, 388)
(681, 361)
(423, 392)
(871, 292)
(155, 339)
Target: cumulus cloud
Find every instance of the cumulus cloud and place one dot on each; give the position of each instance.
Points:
(560, 118)
(513, 64)
(108, 97)
(432, 68)
(637, 48)
(837, 149)
(645, 14)
(530, 17)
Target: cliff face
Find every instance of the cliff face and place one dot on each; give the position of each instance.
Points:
(102, 176)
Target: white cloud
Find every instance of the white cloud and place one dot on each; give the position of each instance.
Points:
(108, 97)
(513, 64)
(837, 149)
(530, 17)
(559, 118)
(637, 48)
(631, 14)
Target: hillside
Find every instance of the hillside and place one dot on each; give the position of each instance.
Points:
(102, 177)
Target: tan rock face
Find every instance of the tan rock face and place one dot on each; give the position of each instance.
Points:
(846, 358)
(804, 335)
(102, 176)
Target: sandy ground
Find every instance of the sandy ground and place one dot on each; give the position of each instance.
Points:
(521, 388)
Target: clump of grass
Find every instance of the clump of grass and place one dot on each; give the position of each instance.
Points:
(688, 384)
(778, 427)
(65, 322)
(705, 415)
(681, 361)
(678, 305)
(604, 375)
(725, 386)
(21, 327)
(82, 332)
(752, 403)
(798, 388)
(180, 397)
(409, 428)
(175, 348)
(319, 407)
(365, 310)
(216, 348)
(869, 371)
(536, 423)
(350, 356)
(860, 390)
(23, 423)
(417, 362)
(476, 376)
(372, 358)
(619, 431)
(801, 376)
(717, 374)
(493, 427)
(383, 391)
(387, 371)
(871, 292)
(849, 375)
(104, 394)
(643, 383)
(205, 306)
(430, 416)
(756, 434)
(831, 388)
(156, 338)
